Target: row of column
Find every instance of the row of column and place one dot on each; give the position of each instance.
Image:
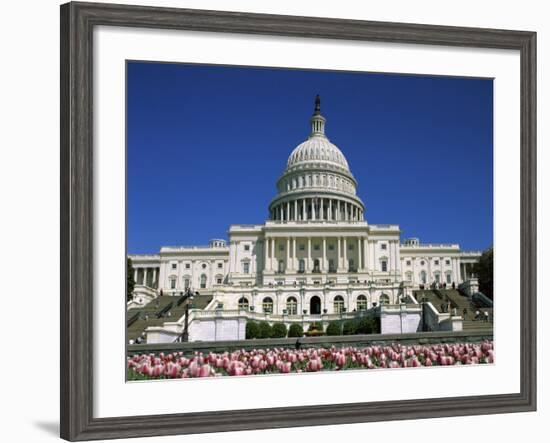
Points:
(144, 276)
(292, 260)
(317, 209)
(466, 270)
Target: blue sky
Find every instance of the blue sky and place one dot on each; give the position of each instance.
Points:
(207, 143)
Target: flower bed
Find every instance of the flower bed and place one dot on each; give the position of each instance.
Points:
(284, 361)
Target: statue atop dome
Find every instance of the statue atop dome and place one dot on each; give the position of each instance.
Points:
(317, 105)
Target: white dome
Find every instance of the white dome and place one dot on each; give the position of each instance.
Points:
(317, 149)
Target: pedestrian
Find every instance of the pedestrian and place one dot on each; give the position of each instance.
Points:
(464, 312)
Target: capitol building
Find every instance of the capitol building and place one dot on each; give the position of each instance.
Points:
(315, 255)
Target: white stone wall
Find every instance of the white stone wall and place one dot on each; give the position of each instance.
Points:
(217, 329)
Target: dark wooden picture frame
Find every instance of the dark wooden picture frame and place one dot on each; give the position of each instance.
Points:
(77, 23)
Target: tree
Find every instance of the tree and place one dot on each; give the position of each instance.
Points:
(484, 271)
(130, 282)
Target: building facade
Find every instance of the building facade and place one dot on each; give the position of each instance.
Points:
(315, 254)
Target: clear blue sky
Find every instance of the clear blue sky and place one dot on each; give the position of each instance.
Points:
(207, 143)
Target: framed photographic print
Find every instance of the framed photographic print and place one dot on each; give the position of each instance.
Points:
(336, 214)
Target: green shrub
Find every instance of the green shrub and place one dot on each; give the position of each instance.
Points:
(252, 330)
(369, 325)
(350, 327)
(278, 330)
(334, 328)
(295, 330)
(264, 330)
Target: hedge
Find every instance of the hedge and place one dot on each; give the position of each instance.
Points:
(252, 330)
(278, 330)
(264, 330)
(334, 328)
(295, 330)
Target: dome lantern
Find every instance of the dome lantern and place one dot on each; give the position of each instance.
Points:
(317, 120)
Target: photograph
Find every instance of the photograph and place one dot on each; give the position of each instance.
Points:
(290, 221)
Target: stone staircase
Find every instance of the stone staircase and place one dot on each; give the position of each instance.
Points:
(464, 307)
(156, 306)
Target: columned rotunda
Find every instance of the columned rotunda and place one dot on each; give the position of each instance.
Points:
(317, 183)
(315, 255)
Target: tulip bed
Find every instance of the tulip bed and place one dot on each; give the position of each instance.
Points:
(284, 361)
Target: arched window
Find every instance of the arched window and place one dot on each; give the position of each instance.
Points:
(361, 303)
(173, 281)
(291, 306)
(186, 281)
(316, 265)
(203, 281)
(267, 305)
(243, 303)
(408, 276)
(384, 299)
(281, 266)
(301, 265)
(338, 304)
(437, 277)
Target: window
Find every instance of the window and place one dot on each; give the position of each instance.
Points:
(423, 277)
(267, 305)
(187, 265)
(220, 265)
(291, 306)
(246, 267)
(437, 278)
(301, 265)
(243, 303)
(449, 278)
(422, 262)
(316, 266)
(281, 247)
(408, 276)
(351, 265)
(174, 265)
(361, 303)
(383, 246)
(331, 247)
(350, 247)
(247, 247)
(384, 299)
(204, 266)
(203, 281)
(172, 283)
(331, 267)
(436, 262)
(281, 267)
(384, 265)
(408, 262)
(447, 262)
(302, 247)
(219, 281)
(338, 304)
(186, 283)
(316, 247)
